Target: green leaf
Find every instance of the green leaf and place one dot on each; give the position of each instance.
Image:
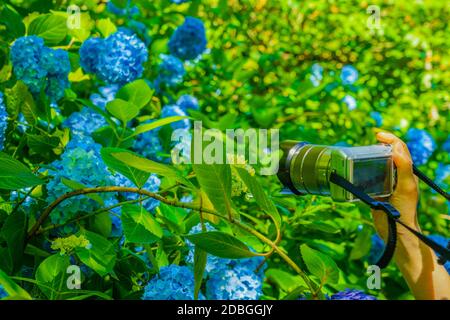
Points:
(12, 22)
(137, 92)
(18, 98)
(122, 110)
(215, 180)
(51, 27)
(320, 265)
(220, 244)
(284, 280)
(101, 223)
(13, 232)
(156, 124)
(77, 186)
(52, 275)
(137, 176)
(139, 225)
(14, 291)
(106, 27)
(14, 175)
(100, 256)
(132, 160)
(200, 259)
(362, 244)
(260, 196)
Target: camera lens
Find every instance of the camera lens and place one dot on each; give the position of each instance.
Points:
(304, 167)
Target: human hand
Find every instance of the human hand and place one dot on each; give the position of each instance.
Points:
(406, 193)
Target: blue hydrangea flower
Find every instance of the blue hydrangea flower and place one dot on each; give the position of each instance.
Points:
(213, 263)
(376, 249)
(174, 110)
(179, 1)
(127, 11)
(351, 294)
(149, 145)
(443, 242)
(89, 52)
(349, 74)
(189, 40)
(81, 162)
(316, 74)
(118, 59)
(187, 101)
(350, 101)
(375, 115)
(40, 67)
(216, 265)
(170, 71)
(442, 175)
(3, 293)
(172, 283)
(107, 94)
(84, 122)
(238, 283)
(153, 183)
(446, 145)
(21, 197)
(3, 121)
(421, 145)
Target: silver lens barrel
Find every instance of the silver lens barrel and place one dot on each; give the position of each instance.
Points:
(304, 168)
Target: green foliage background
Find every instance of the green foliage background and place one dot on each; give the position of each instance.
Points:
(255, 75)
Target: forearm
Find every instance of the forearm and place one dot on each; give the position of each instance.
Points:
(418, 264)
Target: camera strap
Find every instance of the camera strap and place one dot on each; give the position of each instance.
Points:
(393, 217)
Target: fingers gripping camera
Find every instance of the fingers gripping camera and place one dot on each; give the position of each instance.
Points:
(305, 169)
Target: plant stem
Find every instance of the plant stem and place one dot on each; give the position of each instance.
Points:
(175, 203)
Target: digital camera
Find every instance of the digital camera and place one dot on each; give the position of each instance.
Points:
(305, 169)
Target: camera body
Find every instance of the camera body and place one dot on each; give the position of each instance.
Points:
(305, 169)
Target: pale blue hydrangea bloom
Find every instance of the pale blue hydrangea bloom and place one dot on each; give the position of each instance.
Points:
(174, 110)
(149, 145)
(153, 183)
(349, 74)
(84, 122)
(421, 145)
(350, 101)
(213, 263)
(220, 265)
(3, 121)
(118, 59)
(81, 162)
(316, 74)
(238, 283)
(186, 102)
(351, 294)
(105, 95)
(170, 71)
(40, 67)
(189, 40)
(179, 1)
(172, 283)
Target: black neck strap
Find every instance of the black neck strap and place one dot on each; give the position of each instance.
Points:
(393, 217)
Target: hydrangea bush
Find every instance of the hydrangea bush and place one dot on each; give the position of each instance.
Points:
(86, 122)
